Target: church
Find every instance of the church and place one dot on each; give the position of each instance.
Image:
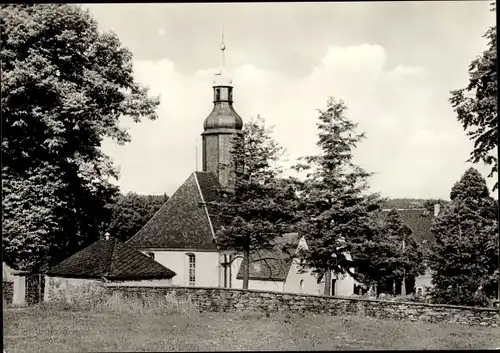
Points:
(182, 234)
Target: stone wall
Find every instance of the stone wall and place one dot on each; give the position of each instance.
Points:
(71, 290)
(8, 292)
(224, 299)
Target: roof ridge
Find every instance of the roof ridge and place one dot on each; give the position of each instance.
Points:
(203, 201)
(152, 217)
(405, 209)
(111, 258)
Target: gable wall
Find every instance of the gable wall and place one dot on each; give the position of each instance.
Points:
(207, 269)
(292, 284)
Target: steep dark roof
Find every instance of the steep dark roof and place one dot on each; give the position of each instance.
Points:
(271, 265)
(112, 259)
(182, 222)
(420, 221)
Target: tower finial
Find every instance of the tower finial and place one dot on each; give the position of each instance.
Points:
(222, 48)
(220, 77)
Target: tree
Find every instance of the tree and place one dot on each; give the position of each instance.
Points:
(399, 254)
(260, 207)
(476, 105)
(65, 87)
(338, 215)
(465, 257)
(131, 212)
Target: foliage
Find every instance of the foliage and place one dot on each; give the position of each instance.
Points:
(338, 215)
(476, 105)
(65, 87)
(465, 257)
(399, 255)
(259, 208)
(130, 212)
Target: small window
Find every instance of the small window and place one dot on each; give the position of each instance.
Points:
(217, 94)
(151, 254)
(420, 291)
(192, 269)
(301, 285)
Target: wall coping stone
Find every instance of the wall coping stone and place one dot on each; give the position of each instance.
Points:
(302, 295)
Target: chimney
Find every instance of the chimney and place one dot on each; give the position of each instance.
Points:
(437, 208)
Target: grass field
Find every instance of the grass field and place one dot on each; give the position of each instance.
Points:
(50, 330)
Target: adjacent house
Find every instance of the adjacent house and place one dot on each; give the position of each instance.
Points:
(108, 260)
(278, 270)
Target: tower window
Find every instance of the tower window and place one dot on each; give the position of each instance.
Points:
(217, 94)
(230, 95)
(192, 269)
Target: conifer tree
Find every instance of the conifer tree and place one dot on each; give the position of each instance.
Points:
(338, 215)
(399, 256)
(259, 208)
(465, 258)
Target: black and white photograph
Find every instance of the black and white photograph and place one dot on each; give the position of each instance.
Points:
(273, 176)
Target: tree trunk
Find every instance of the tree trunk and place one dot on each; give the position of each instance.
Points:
(225, 271)
(246, 268)
(328, 282)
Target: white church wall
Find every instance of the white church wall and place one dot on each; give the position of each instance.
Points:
(344, 285)
(207, 269)
(275, 286)
(301, 282)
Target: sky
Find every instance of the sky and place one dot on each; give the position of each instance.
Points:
(393, 63)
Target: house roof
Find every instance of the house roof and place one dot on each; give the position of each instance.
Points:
(272, 265)
(420, 221)
(112, 259)
(182, 222)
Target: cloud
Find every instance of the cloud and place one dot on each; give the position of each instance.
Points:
(414, 145)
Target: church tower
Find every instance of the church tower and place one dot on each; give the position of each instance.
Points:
(220, 128)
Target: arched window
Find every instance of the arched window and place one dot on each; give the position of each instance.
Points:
(301, 285)
(192, 269)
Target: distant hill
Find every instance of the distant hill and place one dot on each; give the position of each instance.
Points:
(412, 203)
(404, 203)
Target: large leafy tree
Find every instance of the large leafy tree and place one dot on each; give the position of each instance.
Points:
(259, 208)
(465, 257)
(338, 214)
(65, 86)
(130, 212)
(476, 104)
